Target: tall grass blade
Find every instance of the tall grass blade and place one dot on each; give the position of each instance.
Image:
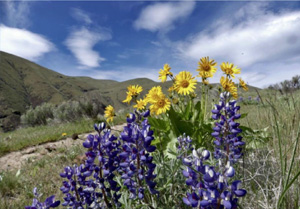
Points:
(293, 157)
(286, 189)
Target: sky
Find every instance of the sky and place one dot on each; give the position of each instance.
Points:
(122, 40)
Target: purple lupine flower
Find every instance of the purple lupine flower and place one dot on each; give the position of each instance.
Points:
(49, 202)
(136, 164)
(101, 164)
(184, 143)
(210, 185)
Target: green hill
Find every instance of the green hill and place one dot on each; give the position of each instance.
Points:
(24, 84)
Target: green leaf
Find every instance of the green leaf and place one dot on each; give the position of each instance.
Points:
(197, 112)
(186, 114)
(245, 129)
(180, 126)
(159, 124)
(171, 149)
(244, 115)
(173, 117)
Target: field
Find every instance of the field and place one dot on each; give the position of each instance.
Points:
(268, 169)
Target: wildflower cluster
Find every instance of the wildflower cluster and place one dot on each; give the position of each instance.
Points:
(212, 186)
(93, 183)
(137, 166)
(184, 83)
(115, 164)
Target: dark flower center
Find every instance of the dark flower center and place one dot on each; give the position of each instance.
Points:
(185, 83)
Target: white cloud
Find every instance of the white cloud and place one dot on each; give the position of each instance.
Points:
(262, 75)
(23, 43)
(161, 16)
(262, 38)
(17, 13)
(81, 16)
(253, 38)
(81, 42)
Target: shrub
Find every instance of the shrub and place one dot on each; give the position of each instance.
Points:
(91, 104)
(38, 116)
(68, 111)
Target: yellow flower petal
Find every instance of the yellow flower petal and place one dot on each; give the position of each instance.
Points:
(243, 84)
(229, 69)
(133, 91)
(185, 83)
(163, 73)
(109, 113)
(206, 67)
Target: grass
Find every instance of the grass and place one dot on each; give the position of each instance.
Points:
(26, 137)
(271, 172)
(30, 136)
(16, 191)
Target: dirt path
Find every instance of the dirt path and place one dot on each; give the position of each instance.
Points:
(15, 160)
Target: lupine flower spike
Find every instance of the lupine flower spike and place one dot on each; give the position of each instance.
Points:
(136, 160)
(102, 163)
(211, 186)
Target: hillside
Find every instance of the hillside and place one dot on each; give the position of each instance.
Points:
(24, 84)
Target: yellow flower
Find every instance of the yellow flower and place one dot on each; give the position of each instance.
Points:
(163, 73)
(109, 113)
(229, 86)
(161, 105)
(206, 67)
(153, 94)
(185, 83)
(141, 104)
(128, 98)
(230, 69)
(133, 91)
(243, 84)
(171, 89)
(64, 134)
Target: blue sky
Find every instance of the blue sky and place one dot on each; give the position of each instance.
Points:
(124, 40)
